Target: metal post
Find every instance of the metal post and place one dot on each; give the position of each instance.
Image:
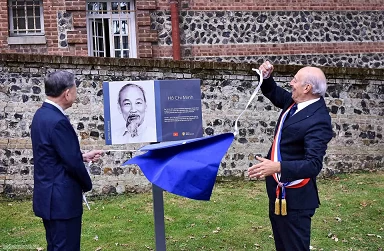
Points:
(175, 29)
(158, 213)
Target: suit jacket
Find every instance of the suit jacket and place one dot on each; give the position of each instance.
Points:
(60, 176)
(303, 144)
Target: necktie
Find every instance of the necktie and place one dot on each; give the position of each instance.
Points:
(292, 111)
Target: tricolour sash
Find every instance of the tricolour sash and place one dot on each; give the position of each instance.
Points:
(275, 156)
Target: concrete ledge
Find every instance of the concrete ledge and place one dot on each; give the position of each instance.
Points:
(27, 40)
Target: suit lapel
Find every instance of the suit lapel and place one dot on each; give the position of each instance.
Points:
(304, 113)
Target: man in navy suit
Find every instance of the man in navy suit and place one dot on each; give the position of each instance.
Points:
(296, 156)
(60, 176)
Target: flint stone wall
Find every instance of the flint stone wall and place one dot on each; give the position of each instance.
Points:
(355, 99)
(227, 27)
(277, 27)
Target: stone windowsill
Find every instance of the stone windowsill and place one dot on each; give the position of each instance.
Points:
(27, 40)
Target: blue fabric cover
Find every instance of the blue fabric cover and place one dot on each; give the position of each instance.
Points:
(186, 167)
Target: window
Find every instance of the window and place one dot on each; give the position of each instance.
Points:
(111, 29)
(26, 18)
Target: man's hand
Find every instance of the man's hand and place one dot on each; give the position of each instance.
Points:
(265, 168)
(266, 68)
(92, 155)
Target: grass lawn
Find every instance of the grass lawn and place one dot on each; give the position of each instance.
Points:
(351, 217)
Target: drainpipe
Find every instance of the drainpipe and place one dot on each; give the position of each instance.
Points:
(175, 30)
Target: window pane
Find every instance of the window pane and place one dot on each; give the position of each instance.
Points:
(14, 12)
(29, 12)
(117, 42)
(21, 24)
(101, 45)
(99, 29)
(125, 42)
(97, 7)
(14, 23)
(31, 25)
(38, 24)
(20, 12)
(117, 54)
(103, 7)
(94, 45)
(116, 29)
(37, 11)
(125, 54)
(124, 6)
(91, 6)
(124, 27)
(115, 7)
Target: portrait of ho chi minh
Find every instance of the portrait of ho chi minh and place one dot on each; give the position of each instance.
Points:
(139, 121)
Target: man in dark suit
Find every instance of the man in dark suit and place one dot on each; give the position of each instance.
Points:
(296, 156)
(60, 176)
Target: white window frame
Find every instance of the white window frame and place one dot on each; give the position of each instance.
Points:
(107, 17)
(23, 3)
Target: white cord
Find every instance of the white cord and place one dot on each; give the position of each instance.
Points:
(250, 100)
(89, 173)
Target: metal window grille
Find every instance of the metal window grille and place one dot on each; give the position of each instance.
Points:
(111, 29)
(25, 17)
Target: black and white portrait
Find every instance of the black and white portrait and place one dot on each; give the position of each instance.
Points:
(132, 107)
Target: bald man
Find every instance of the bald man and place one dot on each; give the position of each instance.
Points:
(296, 155)
(132, 103)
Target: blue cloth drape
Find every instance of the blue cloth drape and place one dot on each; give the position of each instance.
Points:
(187, 167)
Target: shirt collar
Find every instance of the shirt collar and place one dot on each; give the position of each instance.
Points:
(302, 105)
(55, 105)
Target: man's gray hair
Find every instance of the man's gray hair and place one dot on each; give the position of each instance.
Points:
(57, 82)
(319, 83)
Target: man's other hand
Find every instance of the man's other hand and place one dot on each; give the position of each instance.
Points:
(92, 155)
(265, 168)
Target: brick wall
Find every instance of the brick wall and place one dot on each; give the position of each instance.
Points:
(324, 33)
(51, 9)
(66, 30)
(354, 98)
(3, 24)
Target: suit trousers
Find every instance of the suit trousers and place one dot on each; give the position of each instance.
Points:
(293, 231)
(63, 235)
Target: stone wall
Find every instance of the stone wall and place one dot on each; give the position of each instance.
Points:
(229, 27)
(355, 99)
(333, 33)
